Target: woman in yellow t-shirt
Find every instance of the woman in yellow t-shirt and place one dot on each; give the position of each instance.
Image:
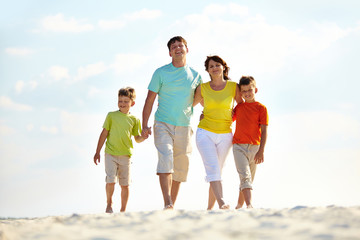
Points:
(214, 134)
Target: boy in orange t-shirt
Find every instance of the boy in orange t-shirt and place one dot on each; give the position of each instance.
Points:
(249, 138)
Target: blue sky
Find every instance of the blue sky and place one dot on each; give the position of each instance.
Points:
(62, 63)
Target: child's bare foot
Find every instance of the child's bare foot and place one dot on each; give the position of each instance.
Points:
(109, 209)
(169, 207)
(225, 206)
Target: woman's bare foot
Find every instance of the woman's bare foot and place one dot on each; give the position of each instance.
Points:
(225, 206)
(238, 206)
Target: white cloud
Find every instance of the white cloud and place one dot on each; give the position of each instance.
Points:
(58, 72)
(128, 62)
(111, 24)
(30, 127)
(47, 129)
(76, 124)
(21, 85)
(90, 70)
(7, 103)
(143, 14)
(251, 41)
(6, 130)
(232, 8)
(19, 51)
(306, 129)
(93, 91)
(58, 23)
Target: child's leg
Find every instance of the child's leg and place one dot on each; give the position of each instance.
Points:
(242, 157)
(241, 200)
(124, 197)
(247, 197)
(109, 193)
(123, 175)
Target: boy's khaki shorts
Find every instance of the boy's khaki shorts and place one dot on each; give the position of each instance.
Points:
(244, 155)
(117, 167)
(174, 148)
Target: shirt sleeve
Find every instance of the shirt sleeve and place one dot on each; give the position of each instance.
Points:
(136, 131)
(107, 123)
(155, 83)
(264, 117)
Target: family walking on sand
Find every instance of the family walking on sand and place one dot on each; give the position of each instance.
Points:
(179, 88)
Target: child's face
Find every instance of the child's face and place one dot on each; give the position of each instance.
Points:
(124, 104)
(248, 92)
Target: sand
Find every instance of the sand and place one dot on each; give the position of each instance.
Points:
(300, 222)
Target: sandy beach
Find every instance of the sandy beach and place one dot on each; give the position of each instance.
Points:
(300, 222)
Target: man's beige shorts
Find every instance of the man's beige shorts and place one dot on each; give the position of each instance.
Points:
(117, 167)
(244, 155)
(174, 148)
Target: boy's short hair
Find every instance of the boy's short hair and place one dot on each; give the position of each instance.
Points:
(127, 92)
(246, 80)
(174, 39)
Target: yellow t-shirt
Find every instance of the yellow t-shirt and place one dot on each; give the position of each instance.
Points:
(218, 107)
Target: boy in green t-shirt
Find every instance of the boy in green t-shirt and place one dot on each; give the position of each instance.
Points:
(118, 128)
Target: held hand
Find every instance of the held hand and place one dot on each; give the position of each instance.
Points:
(146, 132)
(259, 157)
(96, 158)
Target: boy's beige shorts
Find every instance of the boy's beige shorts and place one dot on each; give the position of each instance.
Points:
(174, 148)
(117, 167)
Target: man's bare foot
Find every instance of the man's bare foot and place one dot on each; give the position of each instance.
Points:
(249, 206)
(109, 209)
(225, 206)
(169, 207)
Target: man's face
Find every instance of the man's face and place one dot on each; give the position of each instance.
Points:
(178, 49)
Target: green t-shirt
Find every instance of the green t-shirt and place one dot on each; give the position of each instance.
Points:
(121, 127)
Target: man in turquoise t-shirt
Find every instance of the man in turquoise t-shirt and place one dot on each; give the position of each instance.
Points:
(174, 84)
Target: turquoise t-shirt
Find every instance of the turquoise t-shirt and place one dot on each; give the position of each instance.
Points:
(121, 127)
(175, 88)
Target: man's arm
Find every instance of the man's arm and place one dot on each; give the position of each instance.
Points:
(149, 102)
(259, 157)
(197, 96)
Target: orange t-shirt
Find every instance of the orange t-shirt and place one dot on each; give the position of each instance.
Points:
(249, 117)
